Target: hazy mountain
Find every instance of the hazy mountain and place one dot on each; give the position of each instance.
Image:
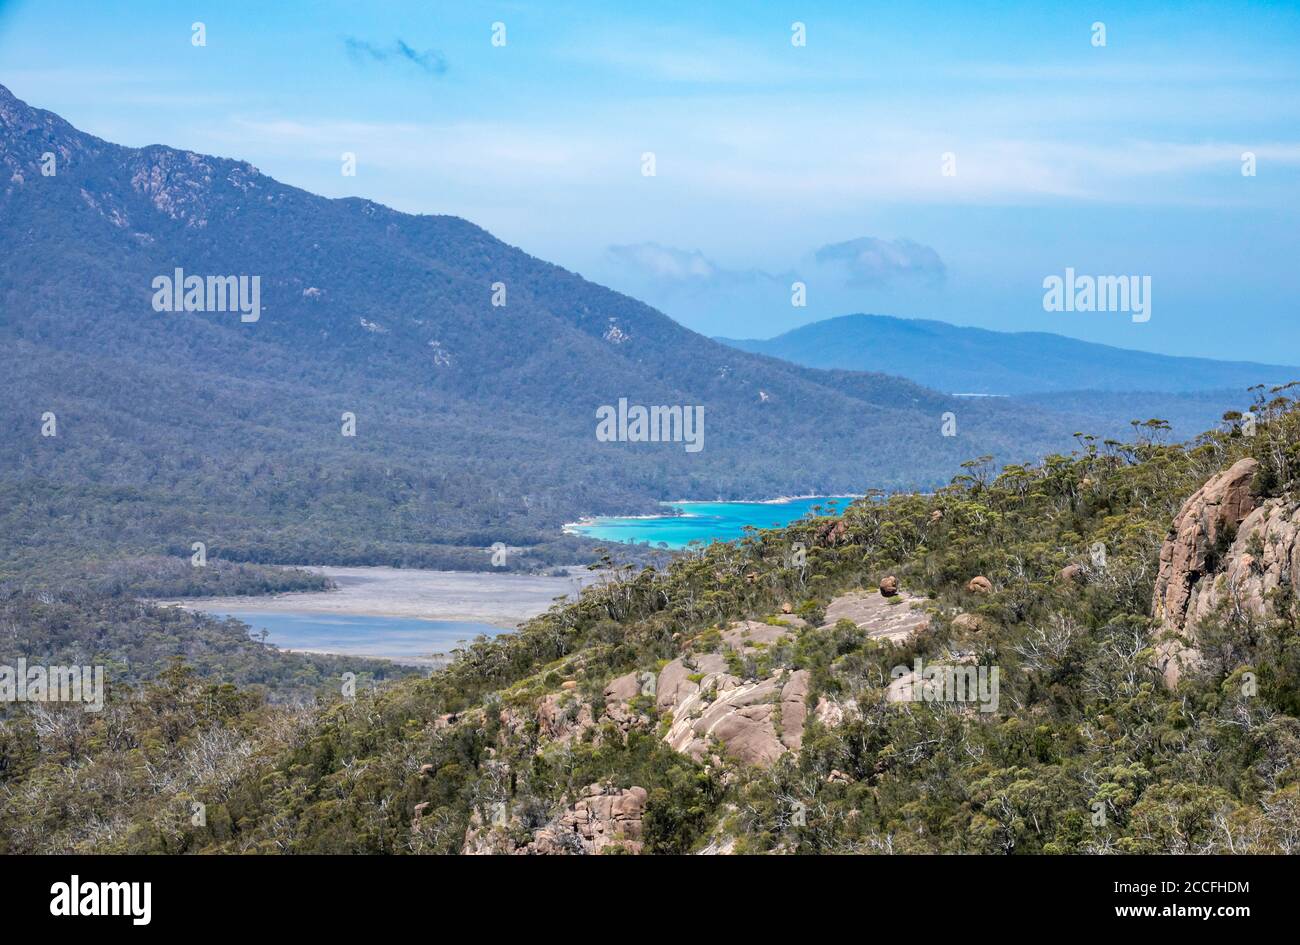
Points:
(475, 423)
(974, 360)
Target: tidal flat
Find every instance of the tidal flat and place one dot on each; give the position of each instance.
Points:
(503, 600)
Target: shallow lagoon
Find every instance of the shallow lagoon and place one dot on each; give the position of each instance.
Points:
(704, 521)
(403, 639)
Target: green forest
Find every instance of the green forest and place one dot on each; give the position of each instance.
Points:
(1088, 751)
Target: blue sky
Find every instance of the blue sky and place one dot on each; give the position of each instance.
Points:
(774, 162)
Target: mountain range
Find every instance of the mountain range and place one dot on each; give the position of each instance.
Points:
(977, 361)
(474, 422)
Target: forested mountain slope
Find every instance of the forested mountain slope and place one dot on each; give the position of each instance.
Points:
(475, 423)
(749, 697)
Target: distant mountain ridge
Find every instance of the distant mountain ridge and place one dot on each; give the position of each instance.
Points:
(475, 423)
(978, 361)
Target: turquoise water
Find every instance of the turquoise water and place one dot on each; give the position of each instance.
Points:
(704, 521)
(398, 638)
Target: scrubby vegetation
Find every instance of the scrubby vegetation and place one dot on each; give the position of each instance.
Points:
(1087, 752)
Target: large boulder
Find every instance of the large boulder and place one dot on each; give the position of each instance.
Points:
(756, 721)
(1206, 544)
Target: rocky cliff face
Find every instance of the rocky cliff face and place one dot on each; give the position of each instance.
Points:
(730, 703)
(1200, 529)
(1228, 548)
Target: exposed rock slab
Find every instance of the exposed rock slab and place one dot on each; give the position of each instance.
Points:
(754, 722)
(879, 616)
(675, 684)
(749, 635)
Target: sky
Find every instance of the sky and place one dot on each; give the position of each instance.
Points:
(919, 159)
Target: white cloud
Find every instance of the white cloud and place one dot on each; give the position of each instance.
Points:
(870, 261)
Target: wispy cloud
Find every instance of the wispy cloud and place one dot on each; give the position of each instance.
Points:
(430, 61)
(661, 52)
(723, 162)
(671, 266)
(857, 263)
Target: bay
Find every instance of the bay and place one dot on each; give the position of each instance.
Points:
(705, 522)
